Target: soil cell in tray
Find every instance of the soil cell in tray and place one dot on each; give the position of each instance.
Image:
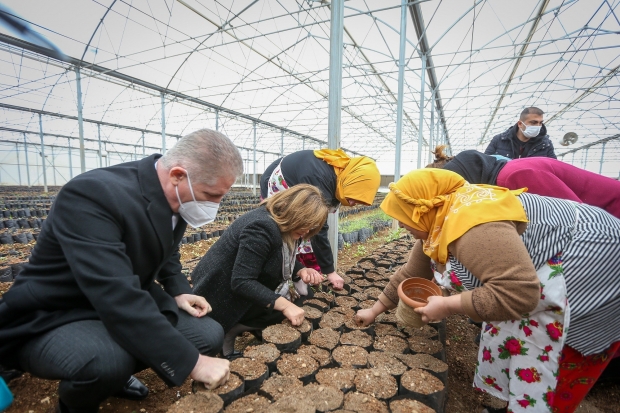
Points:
(325, 338)
(333, 320)
(350, 356)
(339, 378)
(366, 265)
(322, 356)
(293, 404)
(285, 338)
(318, 304)
(376, 382)
(425, 331)
(265, 353)
(391, 344)
(373, 292)
(349, 312)
(229, 391)
(409, 406)
(325, 297)
(351, 325)
(366, 304)
(326, 398)
(313, 315)
(298, 366)
(203, 402)
(386, 318)
(364, 403)
(374, 276)
(254, 372)
(362, 283)
(256, 403)
(437, 367)
(346, 290)
(356, 338)
(347, 279)
(305, 328)
(380, 284)
(359, 296)
(425, 346)
(387, 362)
(424, 387)
(347, 302)
(277, 387)
(388, 330)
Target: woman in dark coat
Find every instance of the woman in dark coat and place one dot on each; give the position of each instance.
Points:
(252, 271)
(341, 180)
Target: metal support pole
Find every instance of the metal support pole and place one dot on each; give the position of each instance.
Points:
(143, 148)
(27, 163)
(432, 129)
(585, 159)
(19, 167)
(421, 124)
(217, 120)
(42, 154)
(70, 160)
(401, 88)
(163, 124)
(600, 166)
(78, 81)
(572, 161)
(281, 143)
(303, 144)
(254, 162)
(336, 34)
(53, 166)
(99, 139)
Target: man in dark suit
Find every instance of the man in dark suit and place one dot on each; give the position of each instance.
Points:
(100, 296)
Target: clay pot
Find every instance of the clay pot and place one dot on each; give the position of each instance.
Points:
(414, 293)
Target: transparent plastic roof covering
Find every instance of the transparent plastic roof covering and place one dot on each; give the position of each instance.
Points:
(268, 61)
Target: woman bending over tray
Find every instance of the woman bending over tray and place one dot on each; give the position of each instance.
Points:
(252, 271)
(528, 266)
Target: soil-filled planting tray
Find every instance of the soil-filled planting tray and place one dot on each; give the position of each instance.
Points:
(265, 353)
(347, 302)
(346, 290)
(357, 338)
(387, 362)
(376, 382)
(350, 356)
(325, 297)
(305, 328)
(425, 331)
(313, 315)
(364, 403)
(362, 283)
(387, 318)
(339, 378)
(349, 312)
(391, 344)
(293, 404)
(351, 325)
(326, 398)
(254, 372)
(325, 338)
(359, 296)
(318, 304)
(420, 385)
(299, 366)
(435, 366)
(427, 346)
(366, 304)
(333, 320)
(203, 402)
(277, 387)
(229, 391)
(322, 356)
(409, 406)
(366, 265)
(252, 403)
(388, 330)
(285, 338)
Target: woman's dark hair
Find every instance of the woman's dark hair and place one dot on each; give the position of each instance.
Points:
(440, 157)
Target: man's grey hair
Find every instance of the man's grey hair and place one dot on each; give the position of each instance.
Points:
(531, 110)
(207, 155)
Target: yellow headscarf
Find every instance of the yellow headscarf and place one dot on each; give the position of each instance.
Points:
(443, 204)
(356, 178)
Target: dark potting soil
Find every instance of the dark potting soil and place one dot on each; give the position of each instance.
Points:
(347, 302)
(333, 320)
(387, 362)
(364, 403)
(350, 356)
(424, 345)
(374, 276)
(391, 344)
(359, 296)
(320, 304)
(349, 312)
(340, 293)
(276, 387)
(325, 338)
(303, 328)
(420, 381)
(252, 403)
(356, 338)
(388, 330)
(366, 304)
(247, 368)
(362, 283)
(293, 404)
(373, 292)
(340, 378)
(350, 324)
(322, 356)
(386, 318)
(425, 331)
(265, 353)
(423, 361)
(380, 284)
(376, 382)
(366, 265)
(203, 402)
(280, 334)
(409, 406)
(297, 365)
(326, 398)
(312, 313)
(234, 382)
(326, 297)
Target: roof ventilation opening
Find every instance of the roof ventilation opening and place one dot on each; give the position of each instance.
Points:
(569, 139)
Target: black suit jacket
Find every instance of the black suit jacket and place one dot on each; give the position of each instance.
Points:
(243, 268)
(107, 239)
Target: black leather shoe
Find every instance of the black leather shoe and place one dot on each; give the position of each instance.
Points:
(133, 390)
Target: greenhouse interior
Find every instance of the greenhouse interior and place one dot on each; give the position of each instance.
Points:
(368, 101)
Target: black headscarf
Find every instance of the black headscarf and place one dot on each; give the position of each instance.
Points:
(476, 167)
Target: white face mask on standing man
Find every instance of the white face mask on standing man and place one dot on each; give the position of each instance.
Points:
(196, 213)
(530, 131)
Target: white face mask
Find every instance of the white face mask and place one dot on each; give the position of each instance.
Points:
(531, 131)
(196, 213)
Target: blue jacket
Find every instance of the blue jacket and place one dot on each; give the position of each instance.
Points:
(507, 144)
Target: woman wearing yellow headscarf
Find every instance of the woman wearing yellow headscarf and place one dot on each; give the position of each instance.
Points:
(526, 265)
(341, 180)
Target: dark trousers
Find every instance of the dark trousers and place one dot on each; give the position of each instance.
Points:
(92, 366)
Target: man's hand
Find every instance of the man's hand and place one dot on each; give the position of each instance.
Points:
(294, 314)
(210, 371)
(310, 276)
(194, 304)
(336, 280)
